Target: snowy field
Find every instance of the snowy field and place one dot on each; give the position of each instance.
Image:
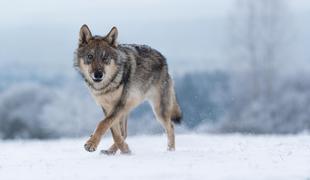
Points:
(197, 157)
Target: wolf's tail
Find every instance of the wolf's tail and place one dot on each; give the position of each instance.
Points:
(176, 113)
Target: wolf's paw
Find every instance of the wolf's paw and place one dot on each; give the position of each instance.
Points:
(124, 149)
(91, 144)
(107, 152)
(128, 152)
(171, 149)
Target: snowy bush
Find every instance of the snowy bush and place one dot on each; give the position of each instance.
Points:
(283, 111)
(20, 108)
(37, 111)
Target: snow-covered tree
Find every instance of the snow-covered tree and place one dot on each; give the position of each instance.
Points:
(259, 38)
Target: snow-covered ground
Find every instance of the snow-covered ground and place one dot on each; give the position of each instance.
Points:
(197, 157)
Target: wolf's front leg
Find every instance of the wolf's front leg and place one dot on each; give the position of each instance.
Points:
(92, 143)
(119, 139)
(114, 148)
(119, 142)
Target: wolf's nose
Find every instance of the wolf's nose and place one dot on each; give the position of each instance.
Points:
(97, 76)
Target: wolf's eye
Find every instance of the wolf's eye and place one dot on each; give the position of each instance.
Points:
(106, 59)
(90, 57)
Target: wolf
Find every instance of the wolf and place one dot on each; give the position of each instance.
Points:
(120, 77)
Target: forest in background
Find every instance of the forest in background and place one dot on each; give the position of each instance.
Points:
(255, 93)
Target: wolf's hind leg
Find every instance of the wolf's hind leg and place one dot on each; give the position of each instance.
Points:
(162, 109)
(169, 128)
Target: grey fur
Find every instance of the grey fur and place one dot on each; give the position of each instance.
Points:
(137, 72)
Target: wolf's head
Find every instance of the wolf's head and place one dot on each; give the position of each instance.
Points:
(97, 58)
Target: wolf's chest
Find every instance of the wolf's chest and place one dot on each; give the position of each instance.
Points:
(109, 100)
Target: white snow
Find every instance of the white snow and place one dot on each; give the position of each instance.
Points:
(197, 157)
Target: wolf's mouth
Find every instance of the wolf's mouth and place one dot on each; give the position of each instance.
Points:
(97, 80)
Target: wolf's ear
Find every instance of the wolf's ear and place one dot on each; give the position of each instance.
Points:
(112, 37)
(85, 35)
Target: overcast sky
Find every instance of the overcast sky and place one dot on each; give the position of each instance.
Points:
(46, 31)
(16, 12)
